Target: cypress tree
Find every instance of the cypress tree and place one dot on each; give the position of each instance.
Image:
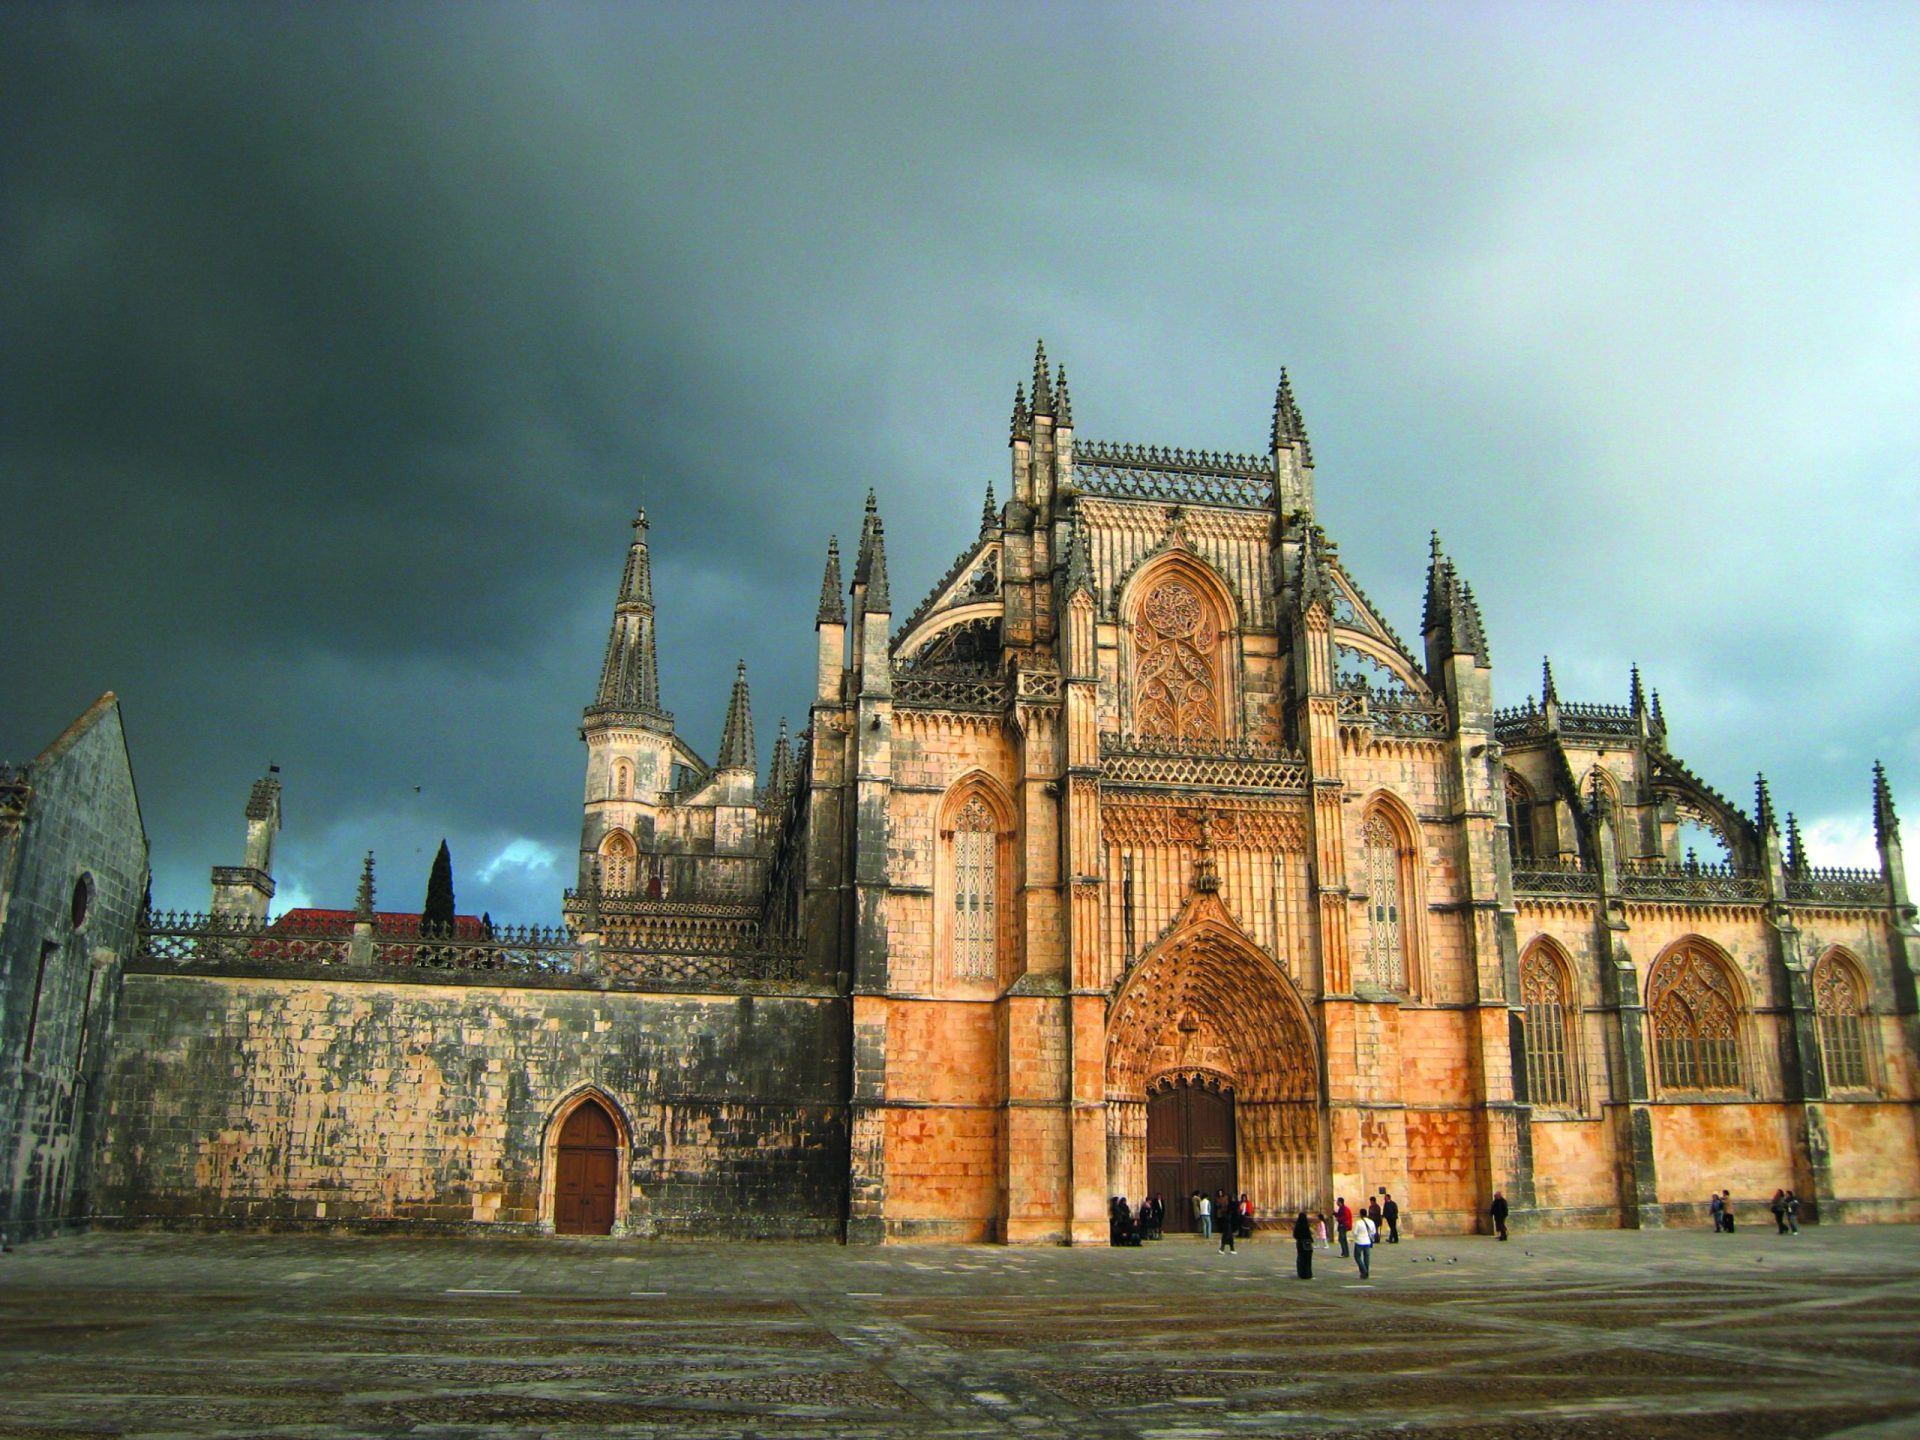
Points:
(437, 917)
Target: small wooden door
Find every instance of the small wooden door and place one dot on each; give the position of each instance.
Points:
(1189, 1147)
(589, 1163)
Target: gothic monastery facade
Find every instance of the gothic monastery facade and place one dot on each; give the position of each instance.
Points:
(1142, 855)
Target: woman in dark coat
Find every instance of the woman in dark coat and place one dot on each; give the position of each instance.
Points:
(1303, 1247)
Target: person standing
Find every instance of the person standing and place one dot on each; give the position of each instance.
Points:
(1320, 1231)
(1342, 1222)
(1716, 1209)
(1246, 1216)
(1376, 1215)
(1205, 1207)
(1363, 1233)
(1499, 1214)
(1793, 1213)
(1779, 1208)
(1726, 1211)
(1302, 1247)
(1391, 1212)
(1225, 1223)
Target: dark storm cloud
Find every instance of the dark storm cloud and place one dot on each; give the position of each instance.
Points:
(338, 343)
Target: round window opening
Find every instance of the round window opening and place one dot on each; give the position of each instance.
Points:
(82, 900)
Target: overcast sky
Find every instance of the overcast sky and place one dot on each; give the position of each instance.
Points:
(337, 346)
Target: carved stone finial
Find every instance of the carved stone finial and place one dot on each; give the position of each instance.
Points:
(363, 899)
(1763, 806)
(640, 519)
(1042, 382)
(1549, 693)
(1796, 856)
(1022, 428)
(879, 600)
(736, 736)
(989, 511)
(1636, 694)
(1062, 401)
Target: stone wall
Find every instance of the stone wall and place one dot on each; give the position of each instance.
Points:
(323, 1098)
(73, 871)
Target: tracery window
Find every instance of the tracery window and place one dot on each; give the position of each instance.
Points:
(616, 864)
(1519, 821)
(1549, 1032)
(1176, 692)
(1386, 948)
(1696, 1022)
(1838, 1003)
(622, 780)
(975, 878)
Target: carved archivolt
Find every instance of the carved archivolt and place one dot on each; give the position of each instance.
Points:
(1246, 826)
(1207, 1000)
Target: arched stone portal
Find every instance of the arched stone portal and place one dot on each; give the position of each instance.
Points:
(1207, 1008)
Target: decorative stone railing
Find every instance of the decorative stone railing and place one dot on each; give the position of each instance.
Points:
(1220, 764)
(1150, 472)
(639, 943)
(931, 690)
(1819, 885)
(1643, 880)
(1391, 712)
(1538, 878)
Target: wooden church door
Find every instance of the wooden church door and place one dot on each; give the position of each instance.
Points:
(589, 1162)
(1189, 1147)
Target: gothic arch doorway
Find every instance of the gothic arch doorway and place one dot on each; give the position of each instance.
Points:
(1190, 1143)
(1206, 1012)
(586, 1171)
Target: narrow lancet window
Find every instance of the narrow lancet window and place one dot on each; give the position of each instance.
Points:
(1548, 1035)
(975, 877)
(1386, 955)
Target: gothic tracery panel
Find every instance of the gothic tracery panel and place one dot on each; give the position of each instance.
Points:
(1695, 1013)
(617, 864)
(1176, 689)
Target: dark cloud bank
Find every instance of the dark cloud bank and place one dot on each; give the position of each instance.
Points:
(338, 344)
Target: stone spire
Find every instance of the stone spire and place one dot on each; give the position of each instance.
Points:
(879, 601)
(1289, 426)
(1763, 807)
(1435, 611)
(1042, 385)
(1549, 692)
(1467, 624)
(1659, 720)
(1022, 428)
(863, 558)
(1886, 824)
(1636, 693)
(736, 737)
(363, 898)
(989, 511)
(1314, 584)
(1062, 402)
(630, 676)
(780, 773)
(833, 608)
(1796, 861)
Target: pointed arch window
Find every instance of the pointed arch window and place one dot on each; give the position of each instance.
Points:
(1549, 1030)
(1695, 1012)
(617, 863)
(1386, 940)
(1520, 842)
(1839, 996)
(976, 881)
(622, 780)
(1176, 686)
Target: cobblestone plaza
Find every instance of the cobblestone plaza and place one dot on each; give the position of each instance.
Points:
(1582, 1335)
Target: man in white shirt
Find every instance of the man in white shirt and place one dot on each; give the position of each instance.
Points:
(1363, 1233)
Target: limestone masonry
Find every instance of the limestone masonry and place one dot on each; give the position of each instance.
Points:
(1141, 856)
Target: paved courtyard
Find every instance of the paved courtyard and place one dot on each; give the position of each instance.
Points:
(1583, 1336)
